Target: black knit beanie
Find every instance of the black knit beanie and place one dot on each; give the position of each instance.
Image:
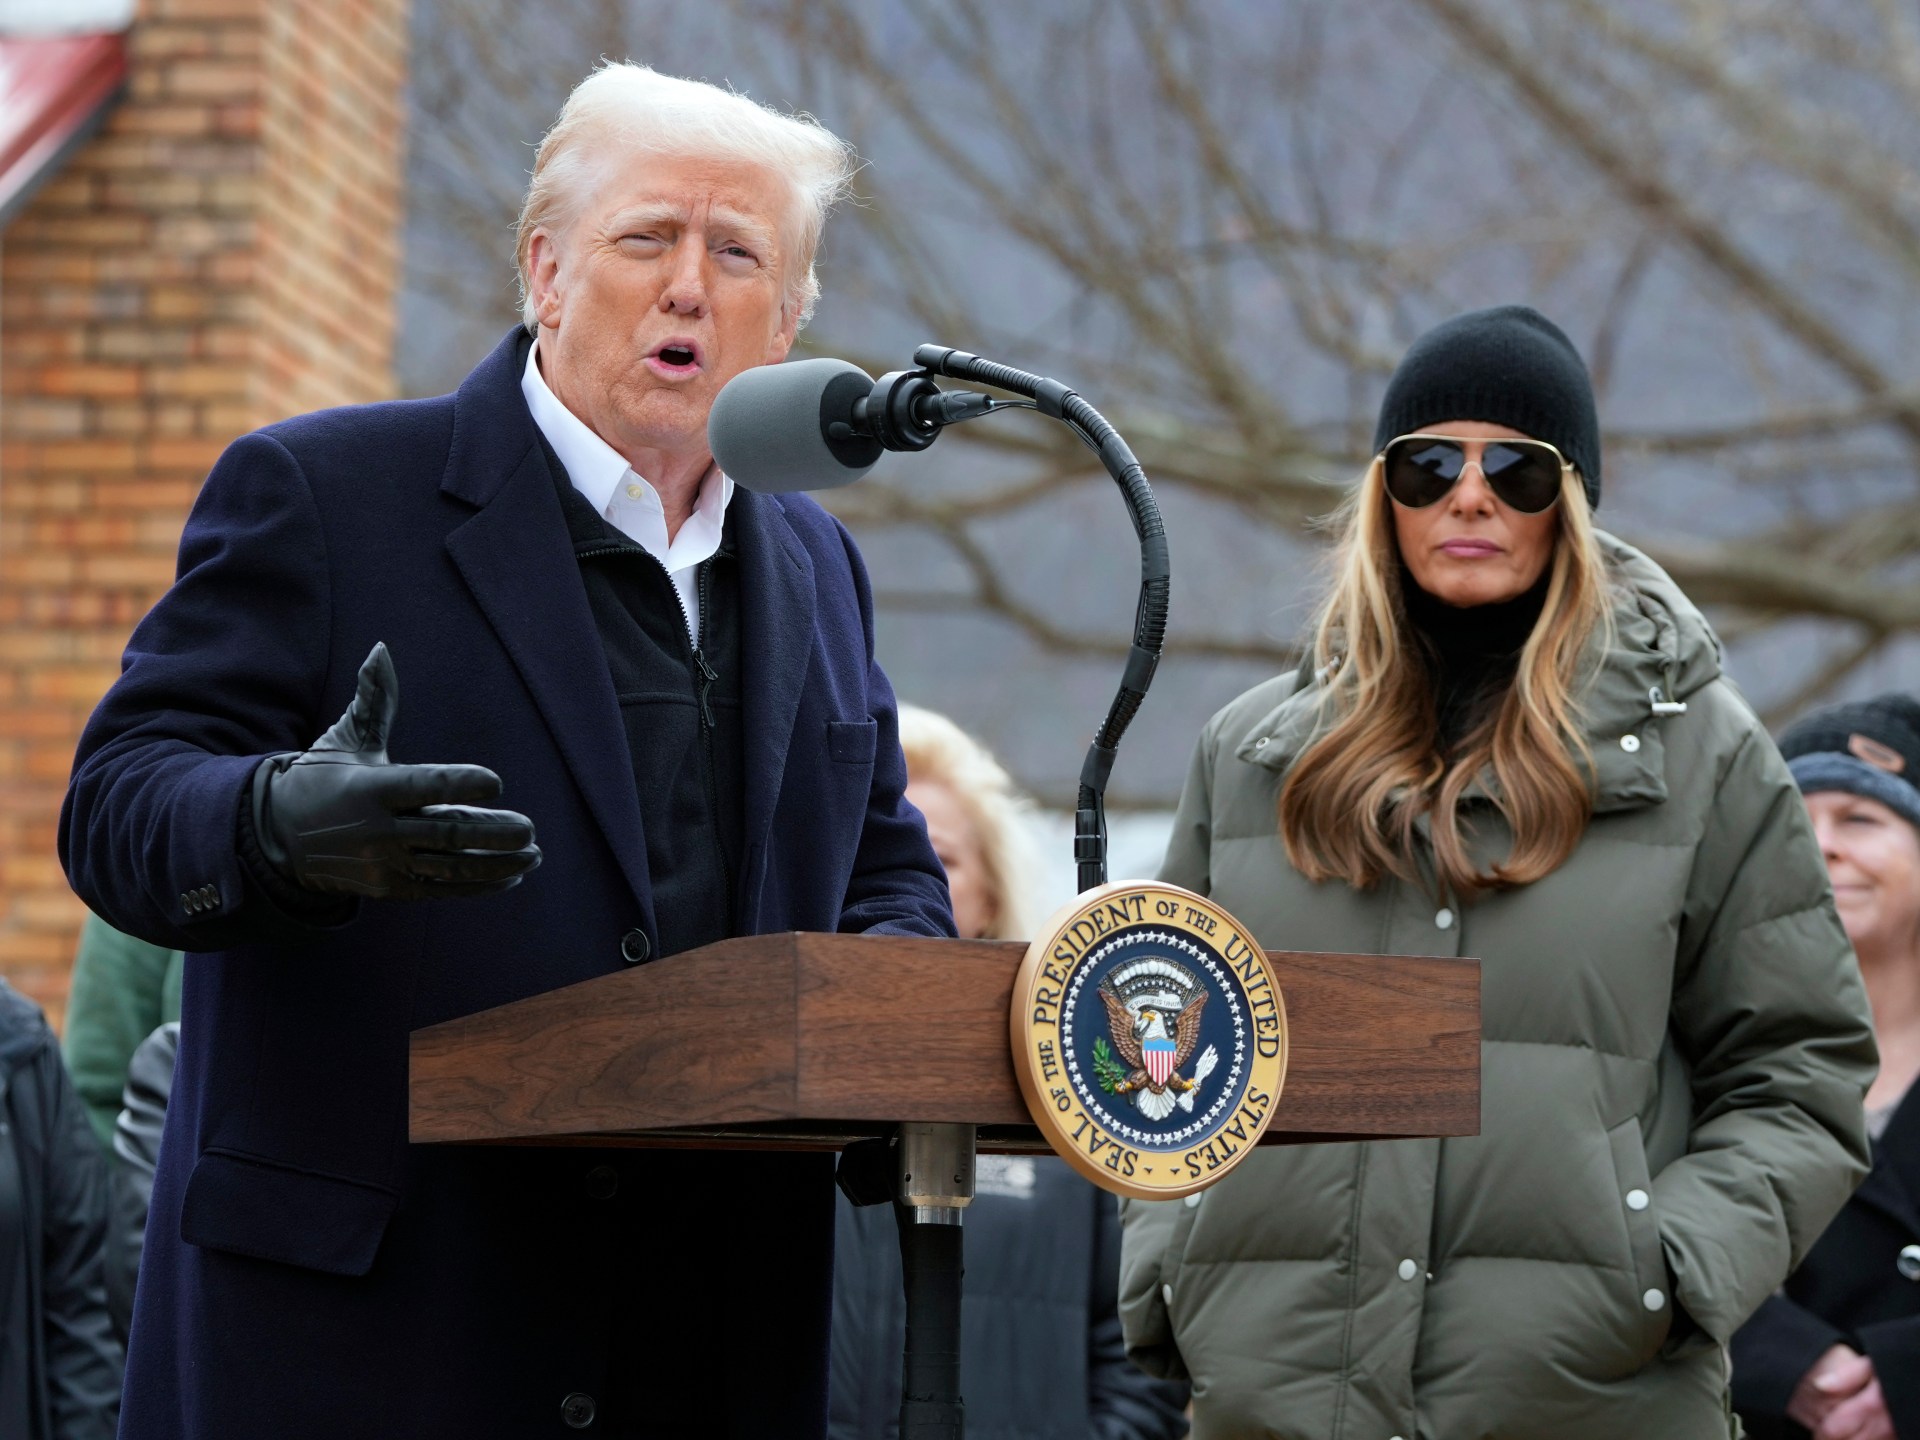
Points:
(1868, 747)
(1506, 366)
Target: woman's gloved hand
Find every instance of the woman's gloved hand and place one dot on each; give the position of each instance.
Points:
(340, 818)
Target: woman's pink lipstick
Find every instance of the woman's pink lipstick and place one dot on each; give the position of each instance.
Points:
(1470, 549)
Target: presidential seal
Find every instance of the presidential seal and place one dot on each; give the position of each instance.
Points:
(1150, 1038)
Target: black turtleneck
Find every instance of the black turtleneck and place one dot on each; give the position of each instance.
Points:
(1471, 652)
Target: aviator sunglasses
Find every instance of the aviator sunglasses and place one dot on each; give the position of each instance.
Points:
(1525, 474)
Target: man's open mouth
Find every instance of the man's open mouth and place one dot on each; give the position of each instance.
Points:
(679, 357)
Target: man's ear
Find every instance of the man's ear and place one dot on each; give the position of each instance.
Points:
(543, 277)
(783, 338)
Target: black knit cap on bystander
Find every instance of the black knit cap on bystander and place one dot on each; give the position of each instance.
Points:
(1865, 747)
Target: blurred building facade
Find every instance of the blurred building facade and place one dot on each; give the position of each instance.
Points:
(220, 252)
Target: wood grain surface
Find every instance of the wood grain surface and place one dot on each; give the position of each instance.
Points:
(805, 1041)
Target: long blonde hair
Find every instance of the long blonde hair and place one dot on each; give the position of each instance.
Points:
(940, 751)
(1351, 801)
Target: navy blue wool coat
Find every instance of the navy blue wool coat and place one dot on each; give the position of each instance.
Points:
(307, 1272)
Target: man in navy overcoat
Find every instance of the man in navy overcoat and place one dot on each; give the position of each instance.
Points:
(675, 682)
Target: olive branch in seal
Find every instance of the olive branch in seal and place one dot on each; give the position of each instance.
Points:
(1108, 1071)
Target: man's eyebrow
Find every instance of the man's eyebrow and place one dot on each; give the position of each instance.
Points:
(742, 224)
(652, 212)
(666, 212)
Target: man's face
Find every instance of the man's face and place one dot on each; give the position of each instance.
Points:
(670, 281)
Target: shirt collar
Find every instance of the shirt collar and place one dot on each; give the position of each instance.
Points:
(599, 472)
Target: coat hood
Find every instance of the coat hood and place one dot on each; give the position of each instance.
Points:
(1663, 651)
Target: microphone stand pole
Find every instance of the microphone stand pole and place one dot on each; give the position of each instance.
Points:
(934, 1162)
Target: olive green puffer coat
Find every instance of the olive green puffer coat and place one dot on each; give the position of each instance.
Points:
(1676, 1045)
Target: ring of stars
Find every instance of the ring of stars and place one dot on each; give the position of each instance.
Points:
(1227, 984)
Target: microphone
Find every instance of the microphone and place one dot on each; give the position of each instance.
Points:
(819, 424)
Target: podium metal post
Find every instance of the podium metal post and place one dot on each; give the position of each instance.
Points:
(934, 1180)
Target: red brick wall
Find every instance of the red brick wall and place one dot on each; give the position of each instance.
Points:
(222, 254)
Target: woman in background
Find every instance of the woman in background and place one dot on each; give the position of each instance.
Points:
(1837, 1351)
(1041, 1351)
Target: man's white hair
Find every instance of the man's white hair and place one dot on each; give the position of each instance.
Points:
(638, 110)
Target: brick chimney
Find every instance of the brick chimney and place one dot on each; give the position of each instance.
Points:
(221, 254)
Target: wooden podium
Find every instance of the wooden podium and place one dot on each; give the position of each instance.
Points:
(819, 1042)
(805, 1041)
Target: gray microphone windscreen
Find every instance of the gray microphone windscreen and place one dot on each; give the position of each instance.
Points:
(768, 427)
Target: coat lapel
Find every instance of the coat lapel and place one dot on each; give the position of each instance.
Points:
(777, 604)
(517, 559)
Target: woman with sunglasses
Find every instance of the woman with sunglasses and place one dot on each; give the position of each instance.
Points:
(1513, 742)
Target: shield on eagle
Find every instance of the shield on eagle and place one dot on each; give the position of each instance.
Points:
(1160, 1054)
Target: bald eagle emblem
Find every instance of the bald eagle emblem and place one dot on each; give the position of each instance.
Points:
(1154, 1007)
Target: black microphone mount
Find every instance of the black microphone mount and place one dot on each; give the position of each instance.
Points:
(904, 410)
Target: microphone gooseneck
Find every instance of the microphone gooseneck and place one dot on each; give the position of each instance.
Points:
(1050, 397)
(818, 424)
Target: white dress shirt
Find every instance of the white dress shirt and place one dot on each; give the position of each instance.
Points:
(630, 504)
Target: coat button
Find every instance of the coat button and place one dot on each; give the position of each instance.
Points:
(1443, 920)
(1166, 1293)
(577, 1411)
(602, 1182)
(1637, 1200)
(1408, 1269)
(1654, 1300)
(635, 947)
(1261, 743)
(1909, 1262)
(1193, 1199)
(1630, 744)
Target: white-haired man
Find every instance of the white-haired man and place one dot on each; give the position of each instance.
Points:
(675, 678)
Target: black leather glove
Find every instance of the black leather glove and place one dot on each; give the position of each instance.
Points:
(342, 819)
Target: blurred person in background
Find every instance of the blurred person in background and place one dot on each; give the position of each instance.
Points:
(1513, 742)
(1837, 1351)
(122, 990)
(1042, 1356)
(59, 1358)
(137, 1131)
(122, 1032)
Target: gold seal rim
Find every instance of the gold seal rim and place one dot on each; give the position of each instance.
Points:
(1026, 1066)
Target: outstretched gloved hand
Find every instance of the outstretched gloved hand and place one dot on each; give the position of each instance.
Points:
(342, 819)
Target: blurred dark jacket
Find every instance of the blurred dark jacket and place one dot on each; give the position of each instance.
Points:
(1859, 1286)
(136, 1151)
(59, 1361)
(1042, 1357)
